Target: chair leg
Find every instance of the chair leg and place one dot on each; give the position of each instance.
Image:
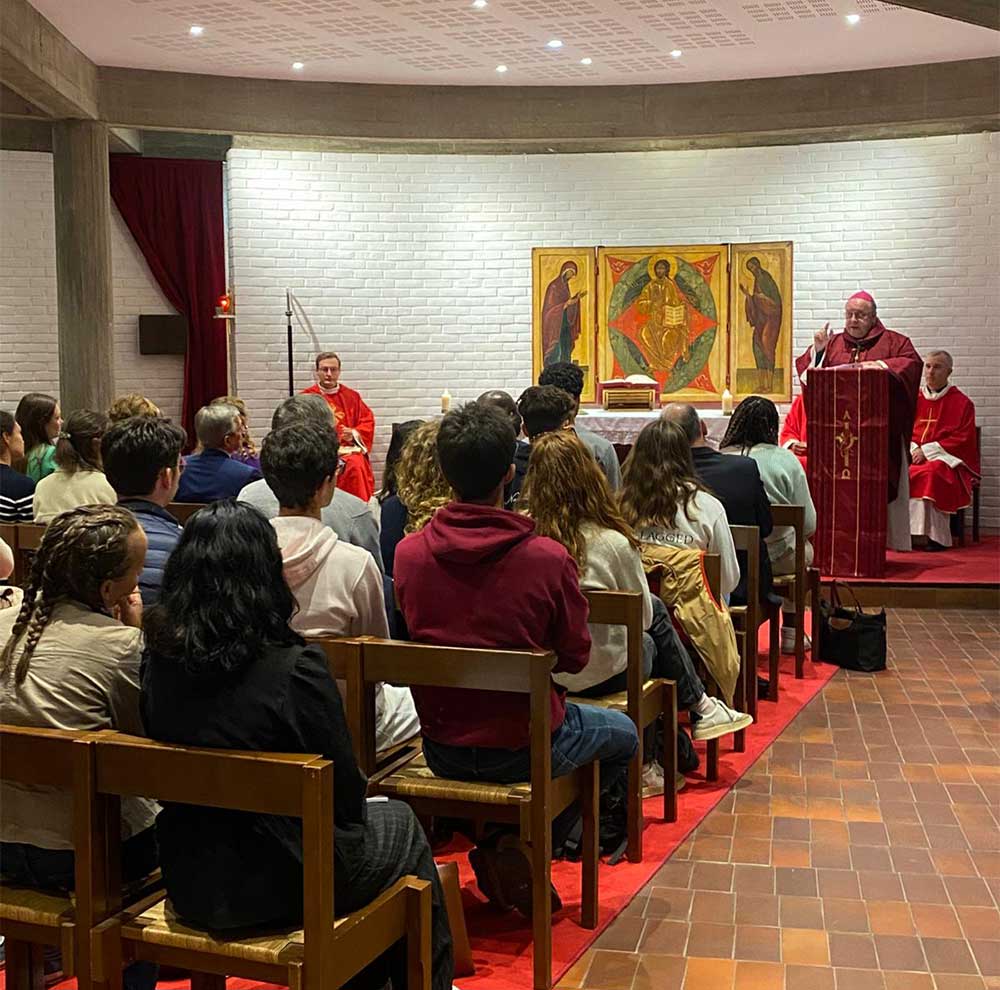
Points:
(448, 873)
(773, 652)
(25, 967)
(814, 599)
(975, 514)
(800, 625)
(633, 849)
(712, 760)
(590, 800)
(960, 526)
(669, 751)
(741, 700)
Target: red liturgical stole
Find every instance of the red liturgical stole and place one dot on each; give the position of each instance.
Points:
(847, 409)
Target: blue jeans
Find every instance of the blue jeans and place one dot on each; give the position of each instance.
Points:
(587, 733)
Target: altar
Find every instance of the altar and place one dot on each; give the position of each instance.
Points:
(622, 426)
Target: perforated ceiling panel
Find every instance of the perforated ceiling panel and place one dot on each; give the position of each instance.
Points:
(452, 42)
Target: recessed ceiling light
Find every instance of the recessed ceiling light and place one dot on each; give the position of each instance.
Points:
(586, 61)
(676, 53)
(196, 30)
(298, 66)
(853, 18)
(479, 4)
(554, 43)
(501, 69)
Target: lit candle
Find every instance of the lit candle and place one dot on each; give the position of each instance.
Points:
(445, 401)
(727, 403)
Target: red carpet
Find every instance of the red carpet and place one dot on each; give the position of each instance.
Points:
(501, 944)
(973, 564)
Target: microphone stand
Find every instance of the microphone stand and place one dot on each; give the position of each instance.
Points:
(288, 318)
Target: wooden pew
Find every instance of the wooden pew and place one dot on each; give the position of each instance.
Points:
(25, 541)
(30, 918)
(530, 806)
(325, 952)
(746, 621)
(794, 516)
(183, 511)
(644, 701)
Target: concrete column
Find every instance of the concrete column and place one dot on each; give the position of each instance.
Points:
(83, 264)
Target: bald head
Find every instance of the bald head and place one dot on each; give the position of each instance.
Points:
(686, 417)
(503, 401)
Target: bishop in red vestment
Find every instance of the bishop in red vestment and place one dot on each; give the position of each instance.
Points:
(867, 343)
(355, 424)
(944, 452)
(793, 430)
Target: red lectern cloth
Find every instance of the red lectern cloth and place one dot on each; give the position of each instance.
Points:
(847, 409)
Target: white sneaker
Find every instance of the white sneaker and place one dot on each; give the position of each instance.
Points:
(720, 722)
(652, 779)
(788, 640)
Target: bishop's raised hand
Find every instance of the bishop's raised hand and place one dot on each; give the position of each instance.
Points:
(821, 338)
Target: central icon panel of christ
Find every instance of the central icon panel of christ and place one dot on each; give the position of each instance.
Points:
(663, 312)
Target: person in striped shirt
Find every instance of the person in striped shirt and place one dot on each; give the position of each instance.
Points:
(16, 489)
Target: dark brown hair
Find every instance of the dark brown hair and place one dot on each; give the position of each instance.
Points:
(76, 449)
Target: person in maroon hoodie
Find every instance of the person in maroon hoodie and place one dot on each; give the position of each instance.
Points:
(477, 575)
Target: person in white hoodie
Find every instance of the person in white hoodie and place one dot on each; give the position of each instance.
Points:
(337, 585)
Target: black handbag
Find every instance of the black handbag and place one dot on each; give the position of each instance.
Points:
(851, 637)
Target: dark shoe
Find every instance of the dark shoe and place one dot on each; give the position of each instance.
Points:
(763, 687)
(514, 873)
(483, 860)
(934, 547)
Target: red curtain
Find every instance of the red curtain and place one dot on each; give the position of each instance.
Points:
(173, 207)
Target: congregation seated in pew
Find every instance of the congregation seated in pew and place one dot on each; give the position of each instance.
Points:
(753, 433)
(346, 515)
(79, 475)
(17, 490)
(213, 474)
(569, 499)
(71, 660)
(225, 670)
(142, 461)
(479, 576)
(667, 505)
(337, 587)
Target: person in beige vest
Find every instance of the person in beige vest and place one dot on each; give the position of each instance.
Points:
(79, 475)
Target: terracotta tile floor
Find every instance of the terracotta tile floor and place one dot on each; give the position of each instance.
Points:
(861, 852)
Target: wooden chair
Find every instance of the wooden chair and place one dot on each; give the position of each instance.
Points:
(325, 952)
(814, 584)
(794, 516)
(343, 658)
(530, 806)
(30, 918)
(976, 488)
(746, 621)
(27, 540)
(644, 701)
(183, 511)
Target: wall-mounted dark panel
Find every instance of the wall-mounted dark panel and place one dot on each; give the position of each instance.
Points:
(163, 334)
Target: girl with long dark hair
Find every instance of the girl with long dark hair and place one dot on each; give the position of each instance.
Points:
(40, 420)
(223, 669)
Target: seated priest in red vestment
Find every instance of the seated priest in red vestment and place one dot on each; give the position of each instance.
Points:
(944, 452)
(793, 430)
(867, 343)
(355, 424)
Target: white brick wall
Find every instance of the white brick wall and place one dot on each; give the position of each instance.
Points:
(29, 358)
(417, 269)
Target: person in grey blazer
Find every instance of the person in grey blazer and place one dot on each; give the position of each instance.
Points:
(347, 515)
(569, 377)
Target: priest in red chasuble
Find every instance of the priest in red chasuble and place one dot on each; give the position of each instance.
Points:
(793, 430)
(944, 453)
(867, 343)
(355, 424)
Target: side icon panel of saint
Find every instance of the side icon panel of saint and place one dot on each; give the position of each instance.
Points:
(761, 338)
(562, 312)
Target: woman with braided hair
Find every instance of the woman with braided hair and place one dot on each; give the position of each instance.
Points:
(71, 661)
(753, 432)
(79, 475)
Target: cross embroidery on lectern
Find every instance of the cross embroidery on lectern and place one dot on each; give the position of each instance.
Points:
(846, 439)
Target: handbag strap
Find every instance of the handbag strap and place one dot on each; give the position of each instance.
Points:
(835, 596)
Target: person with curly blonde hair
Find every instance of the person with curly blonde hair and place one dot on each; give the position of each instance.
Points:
(569, 498)
(72, 662)
(133, 404)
